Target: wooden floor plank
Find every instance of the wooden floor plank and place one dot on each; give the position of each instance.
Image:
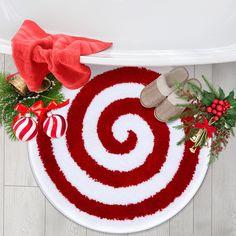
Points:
(202, 200)
(17, 168)
(57, 224)
(162, 230)
(1, 181)
(96, 233)
(224, 174)
(1, 162)
(2, 62)
(182, 223)
(9, 66)
(24, 211)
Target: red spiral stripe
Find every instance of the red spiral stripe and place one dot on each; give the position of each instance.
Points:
(149, 206)
(153, 162)
(75, 140)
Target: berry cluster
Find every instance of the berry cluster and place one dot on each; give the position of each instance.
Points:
(218, 108)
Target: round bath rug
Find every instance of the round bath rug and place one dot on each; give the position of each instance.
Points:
(117, 169)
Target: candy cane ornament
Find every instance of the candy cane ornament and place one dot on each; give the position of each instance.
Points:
(54, 126)
(25, 128)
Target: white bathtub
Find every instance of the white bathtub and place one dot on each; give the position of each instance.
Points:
(144, 32)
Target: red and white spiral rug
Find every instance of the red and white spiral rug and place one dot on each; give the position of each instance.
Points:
(117, 169)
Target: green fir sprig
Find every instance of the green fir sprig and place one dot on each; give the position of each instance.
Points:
(9, 99)
(199, 108)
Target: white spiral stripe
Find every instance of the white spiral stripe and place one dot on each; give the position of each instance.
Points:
(92, 143)
(123, 226)
(124, 195)
(133, 194)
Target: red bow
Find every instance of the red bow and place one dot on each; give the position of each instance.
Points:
(38, 109)
(205, 125)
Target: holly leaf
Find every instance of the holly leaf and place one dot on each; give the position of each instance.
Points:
(230, 122)
(206, 101)
(210, 87)
(221, 94)
(233, 102)
(230, 97)
(231, 112)
(207, 98)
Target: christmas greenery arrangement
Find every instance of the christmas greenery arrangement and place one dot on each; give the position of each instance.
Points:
(209, 118)
(13, 92)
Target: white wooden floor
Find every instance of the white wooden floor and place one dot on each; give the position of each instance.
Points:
(24, 211)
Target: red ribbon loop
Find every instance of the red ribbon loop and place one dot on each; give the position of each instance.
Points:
(38, 109)
(208, 128)
(11, 76)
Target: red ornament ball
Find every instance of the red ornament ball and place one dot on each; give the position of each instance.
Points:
(216, 118)
(221, 102)
(214, 112)
(55, 126)
(209, 109)
(25, 128)
(213, 105)
(219, 113)
(219, 108)
(215, 101)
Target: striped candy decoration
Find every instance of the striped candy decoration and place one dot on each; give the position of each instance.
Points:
(25, 128)
(54, 126)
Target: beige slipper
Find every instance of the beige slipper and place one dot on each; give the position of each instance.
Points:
(155, 92)
(168, 109)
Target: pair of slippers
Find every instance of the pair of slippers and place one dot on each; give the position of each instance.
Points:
(162, 94)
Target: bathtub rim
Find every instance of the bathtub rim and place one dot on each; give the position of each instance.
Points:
(114, 57)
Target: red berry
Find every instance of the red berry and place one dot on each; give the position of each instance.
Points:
(219, 113)
(213, 105)
(216, 118)
(219, 108)
(209, 109)
(215, 101)
(221, 102)
(214, 111)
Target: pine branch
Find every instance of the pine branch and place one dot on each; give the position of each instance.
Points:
(210, 87)
(196, 89)
(179, 127)
(213, 105)
(9, 99)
